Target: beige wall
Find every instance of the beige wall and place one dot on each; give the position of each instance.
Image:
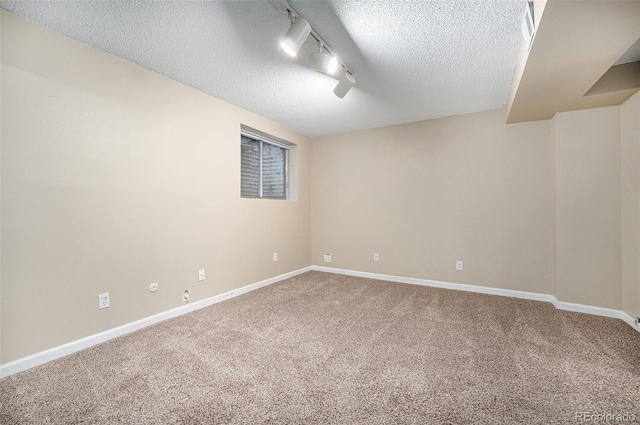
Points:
(630, 169)
(533, 207)
(114, 177)
(587, 147)
(426, 194)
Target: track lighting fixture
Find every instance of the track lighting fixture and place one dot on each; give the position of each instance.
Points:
(322, 61)
(295, 37)
(347, 80)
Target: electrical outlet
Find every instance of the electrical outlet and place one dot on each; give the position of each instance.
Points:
(327, 258)
(153, 287)
(186, 295)
(275, 256)
(376, 257)
(459, 266)
(103, 300)
(200, 275)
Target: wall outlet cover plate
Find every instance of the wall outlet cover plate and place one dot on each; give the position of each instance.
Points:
(103, 301)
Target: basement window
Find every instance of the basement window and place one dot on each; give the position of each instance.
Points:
(266, 163)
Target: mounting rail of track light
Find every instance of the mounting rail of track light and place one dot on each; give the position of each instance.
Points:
(295, 38)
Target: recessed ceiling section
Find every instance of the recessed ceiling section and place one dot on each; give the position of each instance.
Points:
(631, 55)
(623, 75)
(617, 78)
(574, 47)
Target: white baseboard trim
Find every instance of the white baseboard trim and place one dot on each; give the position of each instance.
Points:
(588, 309)
(630, 321)
(91, 340)
(438, 284)
(560, 305)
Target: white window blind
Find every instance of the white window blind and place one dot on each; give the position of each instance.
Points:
(273, 171)
(250, 168)
(263, 166)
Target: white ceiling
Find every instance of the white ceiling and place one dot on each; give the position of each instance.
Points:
(413, 59)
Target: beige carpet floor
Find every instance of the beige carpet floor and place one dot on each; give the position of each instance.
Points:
(324, 348)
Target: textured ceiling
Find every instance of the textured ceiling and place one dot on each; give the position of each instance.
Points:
(413, 59)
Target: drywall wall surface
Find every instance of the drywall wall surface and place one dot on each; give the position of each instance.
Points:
(630, 197)
(114, 177)
(523, 56)
(538, 10)
(588, 207)
(427, 194)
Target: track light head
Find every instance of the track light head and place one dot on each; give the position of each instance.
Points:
(347, 80)
(323, 61)
(333, 65)
(295, 37)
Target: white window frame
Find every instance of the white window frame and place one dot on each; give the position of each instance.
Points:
(263, 137)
